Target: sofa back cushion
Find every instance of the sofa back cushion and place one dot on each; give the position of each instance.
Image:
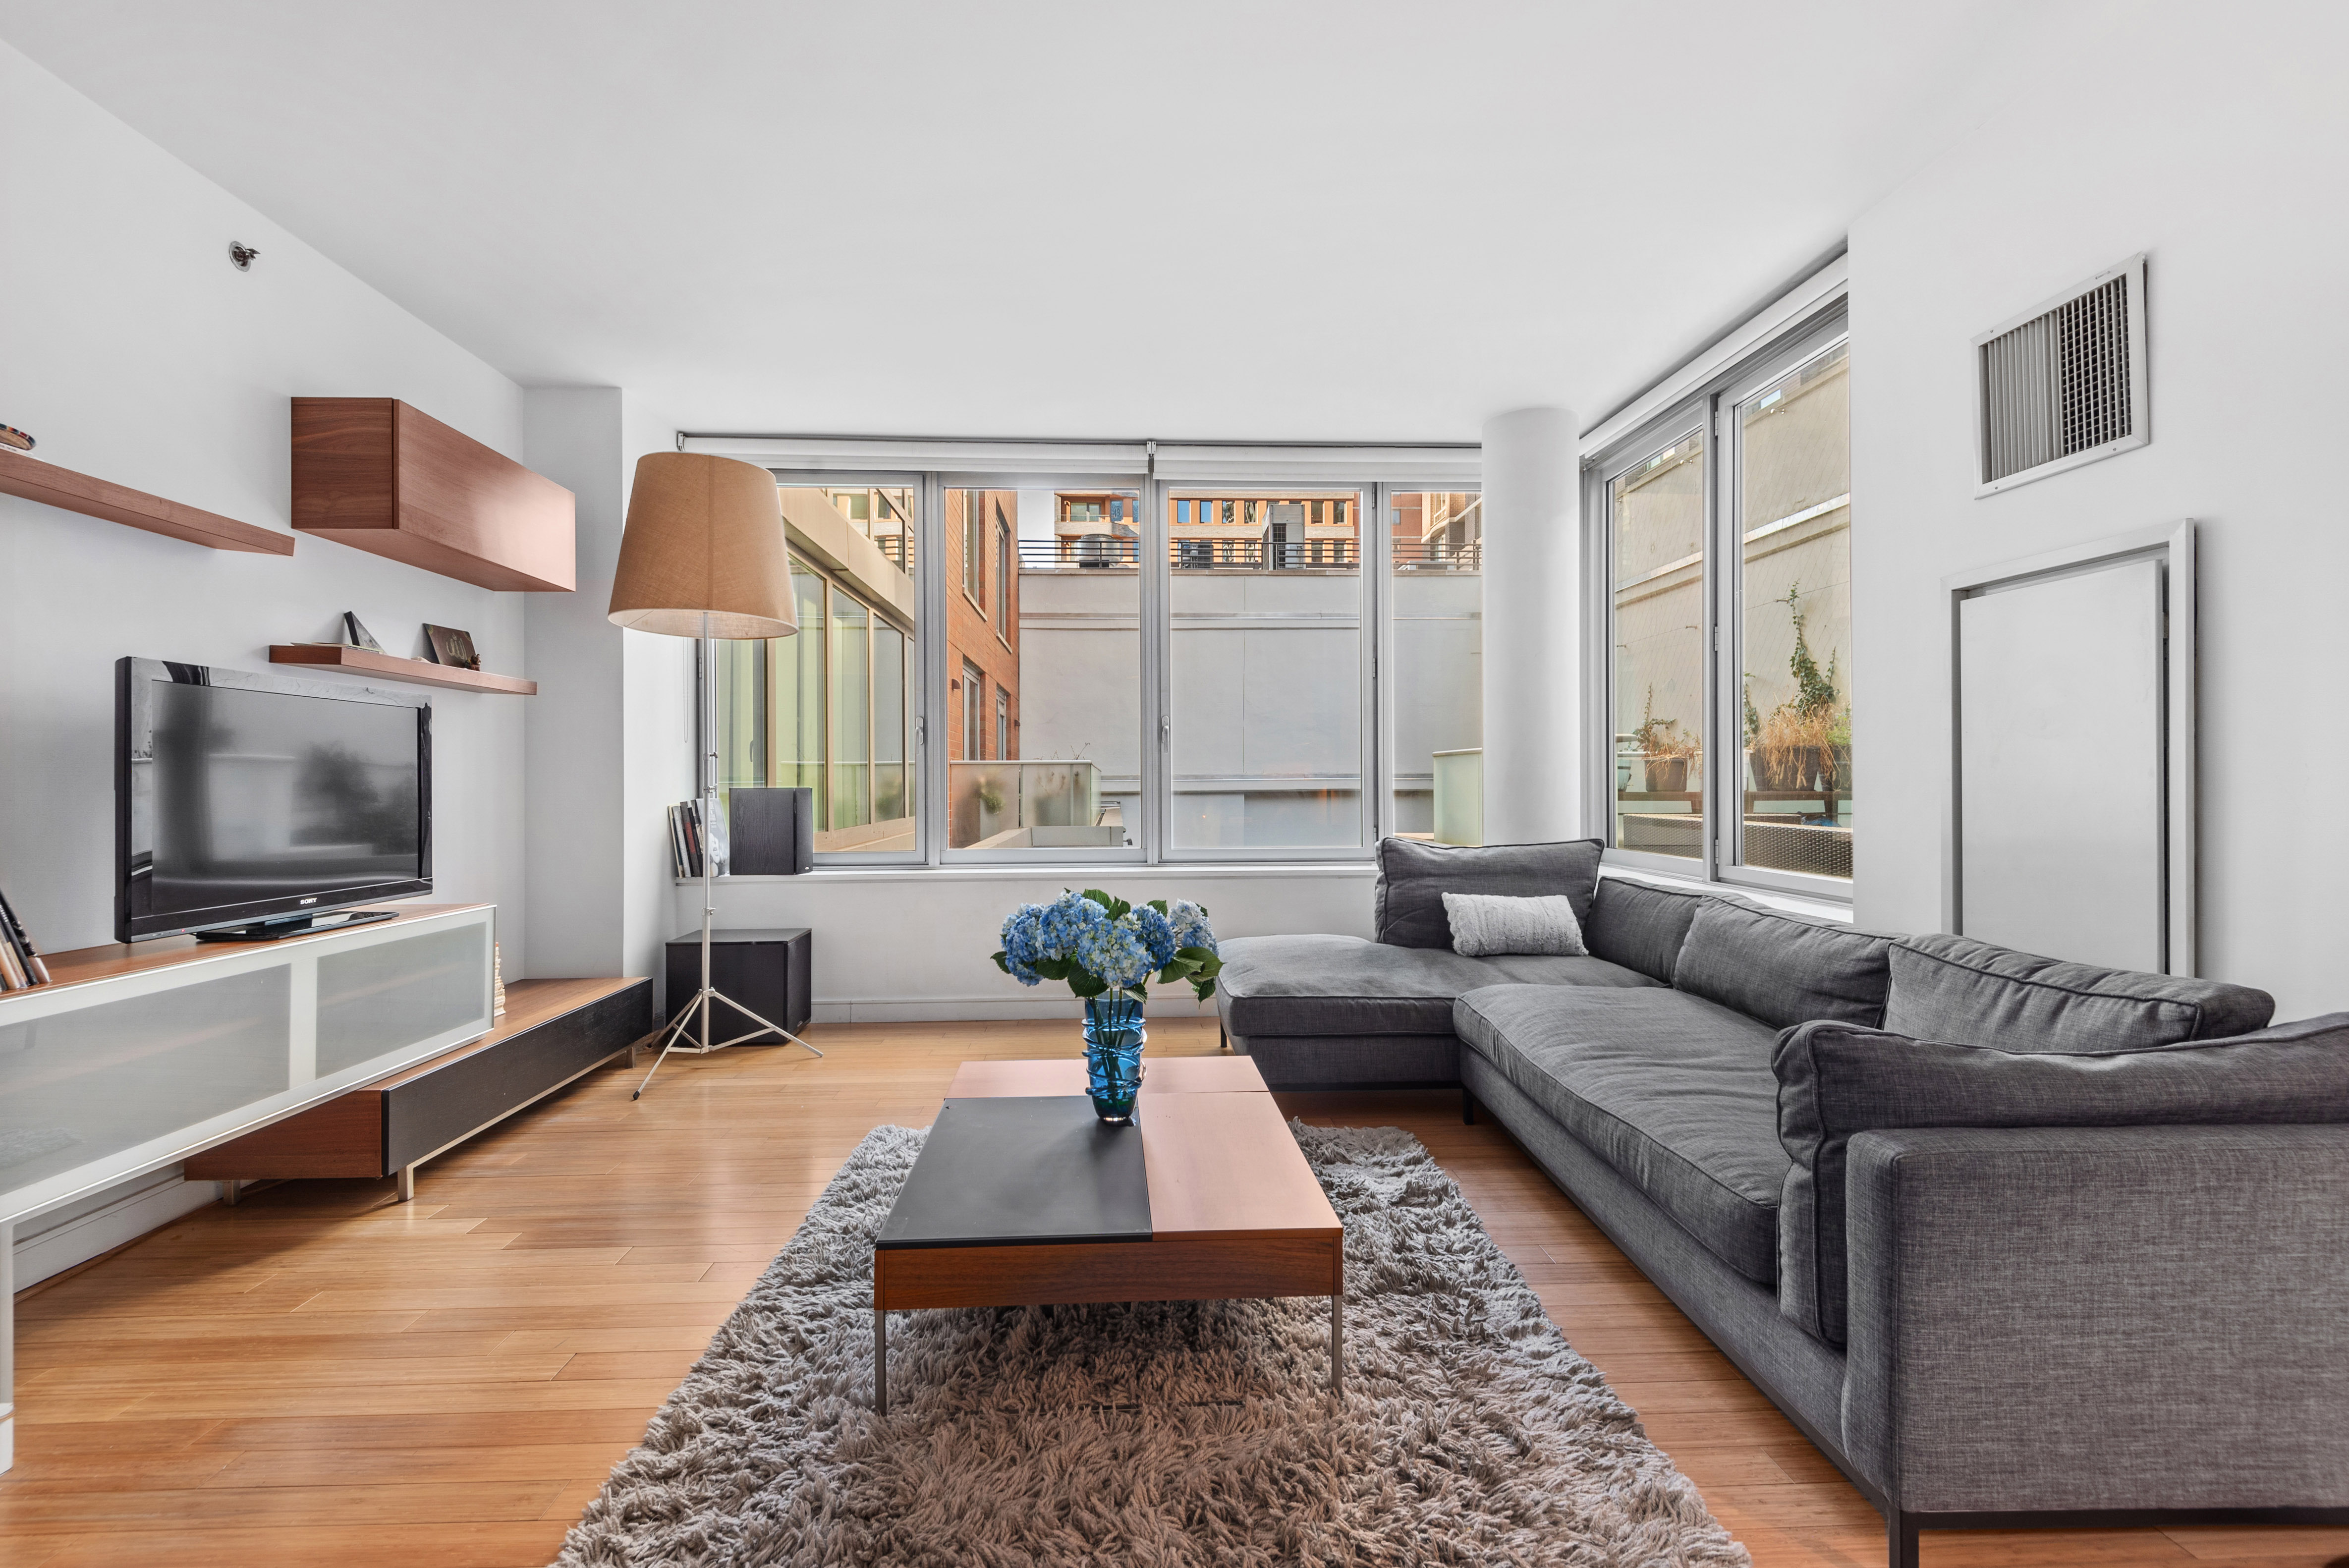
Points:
(1781, 969)
(1414, 877)
(1835, 1081)
(1640, 925)
(1956, 988)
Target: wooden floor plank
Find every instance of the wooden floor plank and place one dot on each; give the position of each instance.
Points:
(323, 1378)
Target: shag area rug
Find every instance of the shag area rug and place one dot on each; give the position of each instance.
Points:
(1163, 1434)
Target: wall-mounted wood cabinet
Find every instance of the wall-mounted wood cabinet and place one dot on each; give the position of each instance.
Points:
(388, 479)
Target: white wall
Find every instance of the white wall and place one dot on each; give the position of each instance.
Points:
(573, 435)
(134, 352)
(2217, 140)
(915, 944)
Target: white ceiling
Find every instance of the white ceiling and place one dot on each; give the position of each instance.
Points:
(1266, 220)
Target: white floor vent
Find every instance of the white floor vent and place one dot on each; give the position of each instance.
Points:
(2064, 383)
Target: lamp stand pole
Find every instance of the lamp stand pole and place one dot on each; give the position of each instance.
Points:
(699, 1010)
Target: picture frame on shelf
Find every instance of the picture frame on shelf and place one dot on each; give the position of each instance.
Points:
(452, 647)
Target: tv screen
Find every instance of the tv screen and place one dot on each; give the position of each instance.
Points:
(244, 796)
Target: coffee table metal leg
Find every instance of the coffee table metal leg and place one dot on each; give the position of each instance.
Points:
(1338, 1345)
(880, 1361)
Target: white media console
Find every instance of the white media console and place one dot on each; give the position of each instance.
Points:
(139, 1056)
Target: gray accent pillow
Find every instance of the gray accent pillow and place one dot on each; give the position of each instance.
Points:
(1955, 988)
(1414, 877)
(1835, 1080)
(1781, 969)
(1641, 925)
(1487, 926)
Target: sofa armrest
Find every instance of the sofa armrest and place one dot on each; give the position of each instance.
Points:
(2074, 1319)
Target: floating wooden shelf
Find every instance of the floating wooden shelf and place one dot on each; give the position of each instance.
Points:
(415, 672)
(68, 490)
(385, 477)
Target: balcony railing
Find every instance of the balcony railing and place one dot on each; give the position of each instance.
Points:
(1102, 552)
(1022, 804)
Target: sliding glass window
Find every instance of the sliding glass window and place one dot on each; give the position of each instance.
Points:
(1044, 641)
(834, 708)
(1076, 662)
(1435, 679)
(1265, 669)
(1724, 530)
(1792, 520)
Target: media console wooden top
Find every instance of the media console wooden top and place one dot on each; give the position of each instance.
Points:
(113, 959)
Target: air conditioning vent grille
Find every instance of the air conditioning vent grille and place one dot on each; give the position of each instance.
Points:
(2066, 383)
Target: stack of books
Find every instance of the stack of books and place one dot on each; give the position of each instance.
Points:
(20, 961)
(690, 839)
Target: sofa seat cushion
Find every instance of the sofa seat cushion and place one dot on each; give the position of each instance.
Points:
(1291, 986)
(1672, 1091)
(1838, 1080)
(1955, 988)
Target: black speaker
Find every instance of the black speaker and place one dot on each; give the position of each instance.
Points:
(766, 971)
(770, 832)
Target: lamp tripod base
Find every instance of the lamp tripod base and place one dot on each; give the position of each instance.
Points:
(702, 1007)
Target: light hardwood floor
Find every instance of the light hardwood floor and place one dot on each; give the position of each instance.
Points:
(323, 1376)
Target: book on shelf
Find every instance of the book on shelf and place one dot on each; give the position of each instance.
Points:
(688, 842)
(19, 958)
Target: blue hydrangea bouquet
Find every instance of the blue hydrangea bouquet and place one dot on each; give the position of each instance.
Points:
(1109, 951)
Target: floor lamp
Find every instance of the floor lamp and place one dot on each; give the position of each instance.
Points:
(702, 556)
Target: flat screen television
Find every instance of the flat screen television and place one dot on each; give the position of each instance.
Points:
(246, 805)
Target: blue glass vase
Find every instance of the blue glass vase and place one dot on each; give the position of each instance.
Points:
(1113, 1037)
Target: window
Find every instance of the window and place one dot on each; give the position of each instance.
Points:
(974, 713)
(1792, 521)
(1657, 512)
(832, 709)
(1265, 677)
(1003, 578)
(1726, 545)
(1436, 684)
(1061, 656)
(1121, 669)
(972, 507)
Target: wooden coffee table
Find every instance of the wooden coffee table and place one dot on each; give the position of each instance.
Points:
(1232, 1208)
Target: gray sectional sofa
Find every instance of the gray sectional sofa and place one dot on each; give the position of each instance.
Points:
(2014, 1241)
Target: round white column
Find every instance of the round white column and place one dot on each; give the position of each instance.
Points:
(1533, 628)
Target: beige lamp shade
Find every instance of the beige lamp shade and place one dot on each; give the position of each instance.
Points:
(703, 551)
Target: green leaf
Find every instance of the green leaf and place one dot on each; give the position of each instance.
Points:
(1054, 968)
(1159, 904)
(1203, 987)
(1003, 962)
(1084, 985)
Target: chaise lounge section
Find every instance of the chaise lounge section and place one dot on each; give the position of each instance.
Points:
(2014, 1241)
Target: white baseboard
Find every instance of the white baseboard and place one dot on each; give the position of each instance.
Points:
(125, 1214)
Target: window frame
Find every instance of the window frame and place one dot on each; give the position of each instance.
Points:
(1370, 474)
(1707, 410)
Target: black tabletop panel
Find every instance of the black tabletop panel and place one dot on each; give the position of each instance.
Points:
(1001, 1170)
